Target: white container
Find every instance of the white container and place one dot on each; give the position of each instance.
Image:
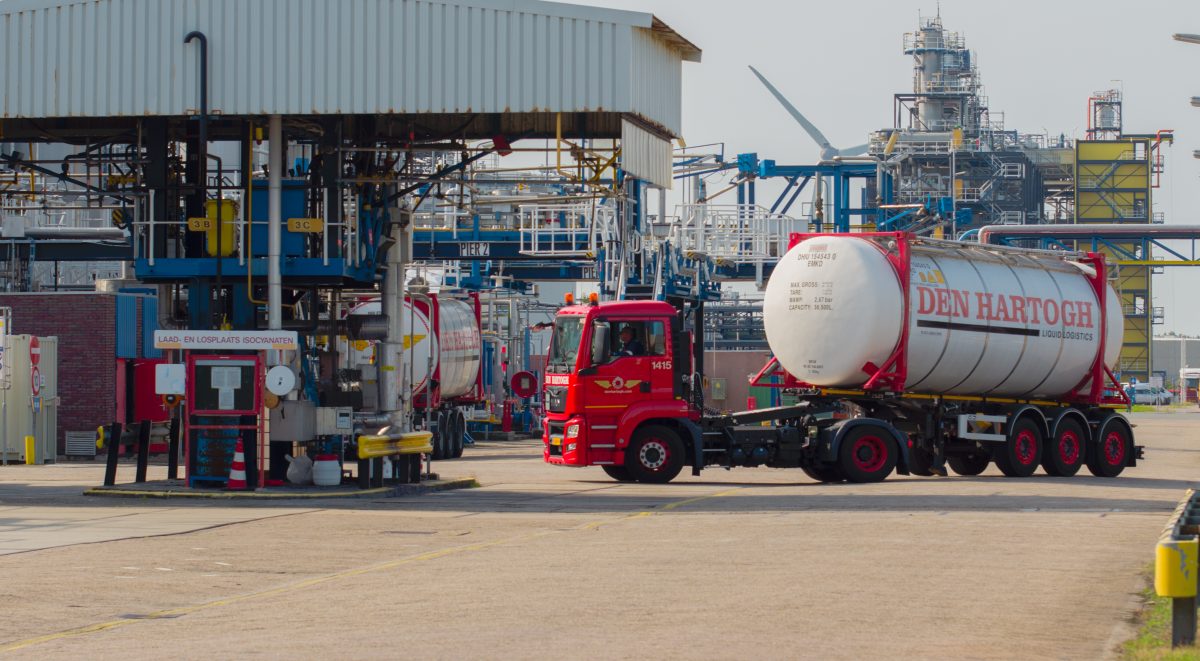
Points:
(453, 338)
(326, 471)
(981, 321)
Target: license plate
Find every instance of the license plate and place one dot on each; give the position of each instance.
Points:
(556, 440)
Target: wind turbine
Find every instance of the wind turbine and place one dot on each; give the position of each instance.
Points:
(828, 151)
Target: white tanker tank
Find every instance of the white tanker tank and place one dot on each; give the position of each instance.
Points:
(449, 334)
(980, 320)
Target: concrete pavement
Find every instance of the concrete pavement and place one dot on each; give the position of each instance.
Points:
(547, 562)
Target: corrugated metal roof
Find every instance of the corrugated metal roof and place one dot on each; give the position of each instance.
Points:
(110, 58)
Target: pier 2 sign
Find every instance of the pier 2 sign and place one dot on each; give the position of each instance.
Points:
(226, 340)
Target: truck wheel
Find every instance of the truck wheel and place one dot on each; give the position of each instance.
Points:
(1022, 452)
(439, 437)
(618, 473)
(655, 455)
(1109, 453)
(1064, 455)
(968, 464)
(824, 473)
(867, 454)
(460, 431)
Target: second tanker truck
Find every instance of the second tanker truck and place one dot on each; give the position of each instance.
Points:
(904, 353)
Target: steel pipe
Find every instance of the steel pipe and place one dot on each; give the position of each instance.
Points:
(275, 225)
(990, 233)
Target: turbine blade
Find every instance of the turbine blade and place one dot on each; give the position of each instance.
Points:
(808, 126)
(854, 151)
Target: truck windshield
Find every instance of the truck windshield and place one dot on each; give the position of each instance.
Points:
(564, 345)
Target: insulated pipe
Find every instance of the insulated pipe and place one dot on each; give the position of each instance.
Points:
(275, 225)
(394, 388)
(76, 233)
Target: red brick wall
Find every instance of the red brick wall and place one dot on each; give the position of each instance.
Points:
(85, 325)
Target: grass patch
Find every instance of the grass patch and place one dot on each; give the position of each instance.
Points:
(1153, 640)
(1150, 408)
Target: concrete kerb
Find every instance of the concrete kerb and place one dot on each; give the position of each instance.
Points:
(164, 490)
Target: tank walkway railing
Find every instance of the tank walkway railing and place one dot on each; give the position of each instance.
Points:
(734, 234)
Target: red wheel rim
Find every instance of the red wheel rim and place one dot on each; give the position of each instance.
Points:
(654, 455)
(1114, 448)
(1068, 447)
(1025, 447)
(870, 453)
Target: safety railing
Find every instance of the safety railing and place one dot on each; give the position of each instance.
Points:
(878, 144)
(934, 39)
(1175, 568)
(565, 230)
(736, 233)
(249, 238)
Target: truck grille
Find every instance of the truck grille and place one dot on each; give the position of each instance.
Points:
(556, 399)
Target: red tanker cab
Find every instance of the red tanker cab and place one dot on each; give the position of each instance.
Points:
(603, 359)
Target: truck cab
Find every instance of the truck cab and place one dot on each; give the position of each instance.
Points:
(617, 378)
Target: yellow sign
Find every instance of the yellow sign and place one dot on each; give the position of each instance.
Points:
(200, 224)
(315, 225)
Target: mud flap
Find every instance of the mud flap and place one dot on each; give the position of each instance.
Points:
(697, 445)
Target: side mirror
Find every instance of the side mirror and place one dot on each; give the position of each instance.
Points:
(600, 350)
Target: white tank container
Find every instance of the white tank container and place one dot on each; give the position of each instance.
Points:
(456, 347)
(981, 321)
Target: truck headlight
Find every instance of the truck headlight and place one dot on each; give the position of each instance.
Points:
(573, 431)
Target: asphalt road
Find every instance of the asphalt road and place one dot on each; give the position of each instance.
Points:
(553, 563)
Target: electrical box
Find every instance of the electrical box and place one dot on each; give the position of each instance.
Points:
(219, 236)
(717, 389)
(294, 421)
(335, 421)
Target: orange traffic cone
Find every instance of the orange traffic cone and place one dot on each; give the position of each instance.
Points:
(237, 472)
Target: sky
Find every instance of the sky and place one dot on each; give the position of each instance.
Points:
(841, 62)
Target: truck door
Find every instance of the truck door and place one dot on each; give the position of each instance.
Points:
(659, 347)
(625, 376)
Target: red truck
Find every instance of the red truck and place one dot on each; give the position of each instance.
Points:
(905, 354)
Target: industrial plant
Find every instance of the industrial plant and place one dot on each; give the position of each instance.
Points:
(281, 254)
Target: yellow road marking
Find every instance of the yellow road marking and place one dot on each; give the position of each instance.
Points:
(292, 587)
(665, 508)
